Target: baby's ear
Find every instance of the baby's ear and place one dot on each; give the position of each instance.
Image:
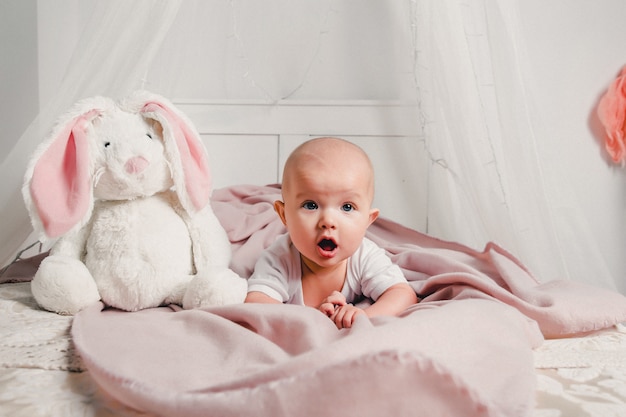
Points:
(374, 215)
(279, 206)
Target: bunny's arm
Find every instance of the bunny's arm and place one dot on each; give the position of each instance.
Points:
(215, 283)
(211, 247)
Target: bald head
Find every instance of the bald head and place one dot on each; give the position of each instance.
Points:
(331, 155)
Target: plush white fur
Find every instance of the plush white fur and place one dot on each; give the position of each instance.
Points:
(144, 233)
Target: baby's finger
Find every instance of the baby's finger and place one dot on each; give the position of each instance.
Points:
(346, 320)
(337, 313)
(327, 308)
(345, 316)
(340, 316)
(336, 298)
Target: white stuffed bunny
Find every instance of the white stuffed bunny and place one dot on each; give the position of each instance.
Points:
(125, 187)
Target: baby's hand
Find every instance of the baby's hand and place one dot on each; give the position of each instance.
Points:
(330, 303)
(345, 315)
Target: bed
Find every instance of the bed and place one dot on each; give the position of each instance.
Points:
(41, 375)
(474, 345)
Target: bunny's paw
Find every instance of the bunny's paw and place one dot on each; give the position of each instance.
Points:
(215, 287)
(64, 285)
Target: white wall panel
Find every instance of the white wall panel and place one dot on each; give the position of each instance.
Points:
(248, 143)
(242, 159)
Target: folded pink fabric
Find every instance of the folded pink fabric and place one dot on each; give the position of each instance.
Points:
(471, 358)
(465, 349)
(22, 270)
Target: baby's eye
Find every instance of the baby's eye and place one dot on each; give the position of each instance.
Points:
(107, 144)
(149, 135)
(309, 205)
(347, 207)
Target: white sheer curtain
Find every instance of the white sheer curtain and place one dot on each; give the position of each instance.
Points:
(115, 50)
(487, 181)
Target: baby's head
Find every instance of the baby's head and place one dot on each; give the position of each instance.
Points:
(338, 158)
(328, 189)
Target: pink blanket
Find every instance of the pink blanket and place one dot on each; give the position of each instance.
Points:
(464, 350)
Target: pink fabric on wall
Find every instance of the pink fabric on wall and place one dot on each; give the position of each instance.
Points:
(612, 114)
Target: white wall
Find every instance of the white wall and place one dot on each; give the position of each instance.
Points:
(283, 49)
(60, 23)
(18, 69)
(298, 52)
(575, 48)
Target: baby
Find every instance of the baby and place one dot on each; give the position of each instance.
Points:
(325, 261)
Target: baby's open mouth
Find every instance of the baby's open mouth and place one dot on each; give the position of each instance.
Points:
(327, 245)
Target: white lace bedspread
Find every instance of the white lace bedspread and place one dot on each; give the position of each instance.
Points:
(583, 376)
(40, 374)
(33, 338)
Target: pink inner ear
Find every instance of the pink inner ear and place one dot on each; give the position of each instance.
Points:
(193, 159)
(60, 187)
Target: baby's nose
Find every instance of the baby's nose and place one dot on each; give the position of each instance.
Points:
(327, 220)
(136, 165)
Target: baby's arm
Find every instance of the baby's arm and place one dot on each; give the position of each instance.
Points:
(259, 297)
(393, 301)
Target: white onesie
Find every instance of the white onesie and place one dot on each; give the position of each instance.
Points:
(278, 273)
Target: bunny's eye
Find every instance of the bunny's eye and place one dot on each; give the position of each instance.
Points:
(107, 144)
(149, 135)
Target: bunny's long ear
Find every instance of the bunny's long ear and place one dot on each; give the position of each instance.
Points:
(185, 152)
(57, 187)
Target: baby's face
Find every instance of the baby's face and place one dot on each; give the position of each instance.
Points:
(327, 208)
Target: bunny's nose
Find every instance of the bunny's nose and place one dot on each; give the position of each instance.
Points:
(136, 165)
